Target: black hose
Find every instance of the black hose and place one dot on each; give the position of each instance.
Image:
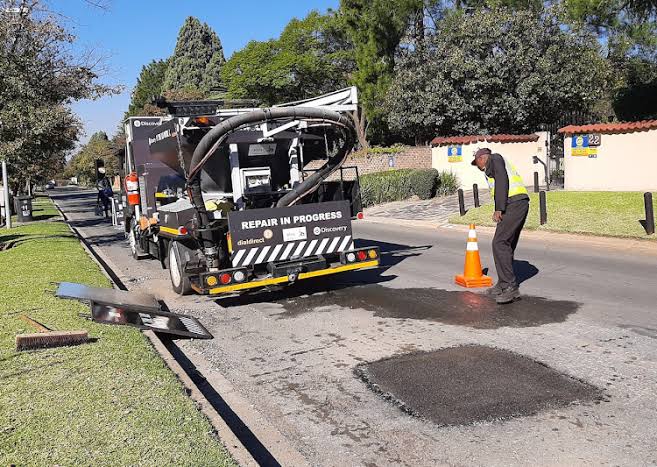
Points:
(215, 137)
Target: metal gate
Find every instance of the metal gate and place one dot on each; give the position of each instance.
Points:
(555, 159)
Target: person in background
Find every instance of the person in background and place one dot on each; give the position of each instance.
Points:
(511, 208)
(105, 193)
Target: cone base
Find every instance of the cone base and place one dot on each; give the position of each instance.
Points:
(473, 282)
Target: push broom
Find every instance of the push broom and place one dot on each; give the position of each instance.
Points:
(47, 337)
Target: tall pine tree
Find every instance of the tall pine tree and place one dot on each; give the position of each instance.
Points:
(149, 85)
(376, 27)
(197, 59)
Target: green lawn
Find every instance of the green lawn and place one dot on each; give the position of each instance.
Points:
(110, 402)
(612, 214)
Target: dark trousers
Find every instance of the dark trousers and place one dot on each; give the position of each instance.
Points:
(506, 239)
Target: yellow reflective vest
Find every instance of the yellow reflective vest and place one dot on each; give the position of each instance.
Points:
(516, 185)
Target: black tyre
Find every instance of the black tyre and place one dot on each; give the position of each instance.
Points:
(179, 280)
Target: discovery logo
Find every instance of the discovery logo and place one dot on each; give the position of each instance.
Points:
(321, 230)
(139, 123)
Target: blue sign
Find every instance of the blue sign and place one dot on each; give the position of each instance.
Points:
(455, 153)
(580, 141)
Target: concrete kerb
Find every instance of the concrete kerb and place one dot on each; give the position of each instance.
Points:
(270, 437)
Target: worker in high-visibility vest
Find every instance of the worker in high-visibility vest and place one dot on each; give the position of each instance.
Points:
(511, 207)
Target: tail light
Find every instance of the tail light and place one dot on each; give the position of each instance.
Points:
(357, 256)
(225, 278)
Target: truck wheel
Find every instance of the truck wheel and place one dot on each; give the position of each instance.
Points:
(179, 280)
(133, 241)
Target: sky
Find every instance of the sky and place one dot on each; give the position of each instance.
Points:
(131, 33)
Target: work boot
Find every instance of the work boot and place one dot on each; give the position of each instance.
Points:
(494, 291)
(508, 295)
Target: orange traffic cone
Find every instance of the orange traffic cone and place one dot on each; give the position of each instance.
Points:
(472, 274)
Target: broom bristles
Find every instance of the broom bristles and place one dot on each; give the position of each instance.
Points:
(50, 339)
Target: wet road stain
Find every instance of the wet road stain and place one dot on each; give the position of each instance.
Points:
(499, 385)
(449, 307)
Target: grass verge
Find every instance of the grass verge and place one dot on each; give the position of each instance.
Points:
(110, 402)
(609, 214)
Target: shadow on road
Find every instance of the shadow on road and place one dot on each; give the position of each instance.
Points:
(524, 270)
(391, 255)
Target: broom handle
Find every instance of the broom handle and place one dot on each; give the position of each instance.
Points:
(38, 326)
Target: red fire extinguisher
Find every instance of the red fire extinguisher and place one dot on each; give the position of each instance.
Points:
(132, 189)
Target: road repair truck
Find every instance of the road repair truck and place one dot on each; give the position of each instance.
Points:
(222, 194)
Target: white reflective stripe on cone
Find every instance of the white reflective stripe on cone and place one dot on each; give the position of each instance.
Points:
(472, 246)
(472, 233)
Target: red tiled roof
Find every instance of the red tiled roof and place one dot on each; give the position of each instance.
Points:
(440, 141)
(617, 127)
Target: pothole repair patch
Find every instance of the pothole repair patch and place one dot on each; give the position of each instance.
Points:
(468, 384)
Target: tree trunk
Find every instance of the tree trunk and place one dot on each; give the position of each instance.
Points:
(358, 116)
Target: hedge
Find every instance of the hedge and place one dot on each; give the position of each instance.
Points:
(397, 185)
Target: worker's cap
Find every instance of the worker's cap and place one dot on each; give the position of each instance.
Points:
(480, 152)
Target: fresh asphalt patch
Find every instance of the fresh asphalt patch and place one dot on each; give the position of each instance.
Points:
(468, 384)
(461, 308)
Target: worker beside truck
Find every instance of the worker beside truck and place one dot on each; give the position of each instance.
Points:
(511, 208)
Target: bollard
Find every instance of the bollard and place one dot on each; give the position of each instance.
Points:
(475, 195)
(542, 207)
(650, 215)
(461, 202)
(536, 182)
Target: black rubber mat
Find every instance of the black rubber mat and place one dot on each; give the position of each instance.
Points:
(468, 384)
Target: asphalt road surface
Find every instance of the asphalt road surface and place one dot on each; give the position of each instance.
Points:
(589, 312)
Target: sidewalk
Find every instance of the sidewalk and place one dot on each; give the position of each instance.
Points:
(435, 210)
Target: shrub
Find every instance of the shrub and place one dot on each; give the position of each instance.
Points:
(423, 183)
(447, 184)
(396, 185)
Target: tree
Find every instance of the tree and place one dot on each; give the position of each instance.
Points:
(149, 84)
(39, 78)
(376, 28)
(197, 60)
(495, 71)
(83, 163)
(628, 28)
(310, 57)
